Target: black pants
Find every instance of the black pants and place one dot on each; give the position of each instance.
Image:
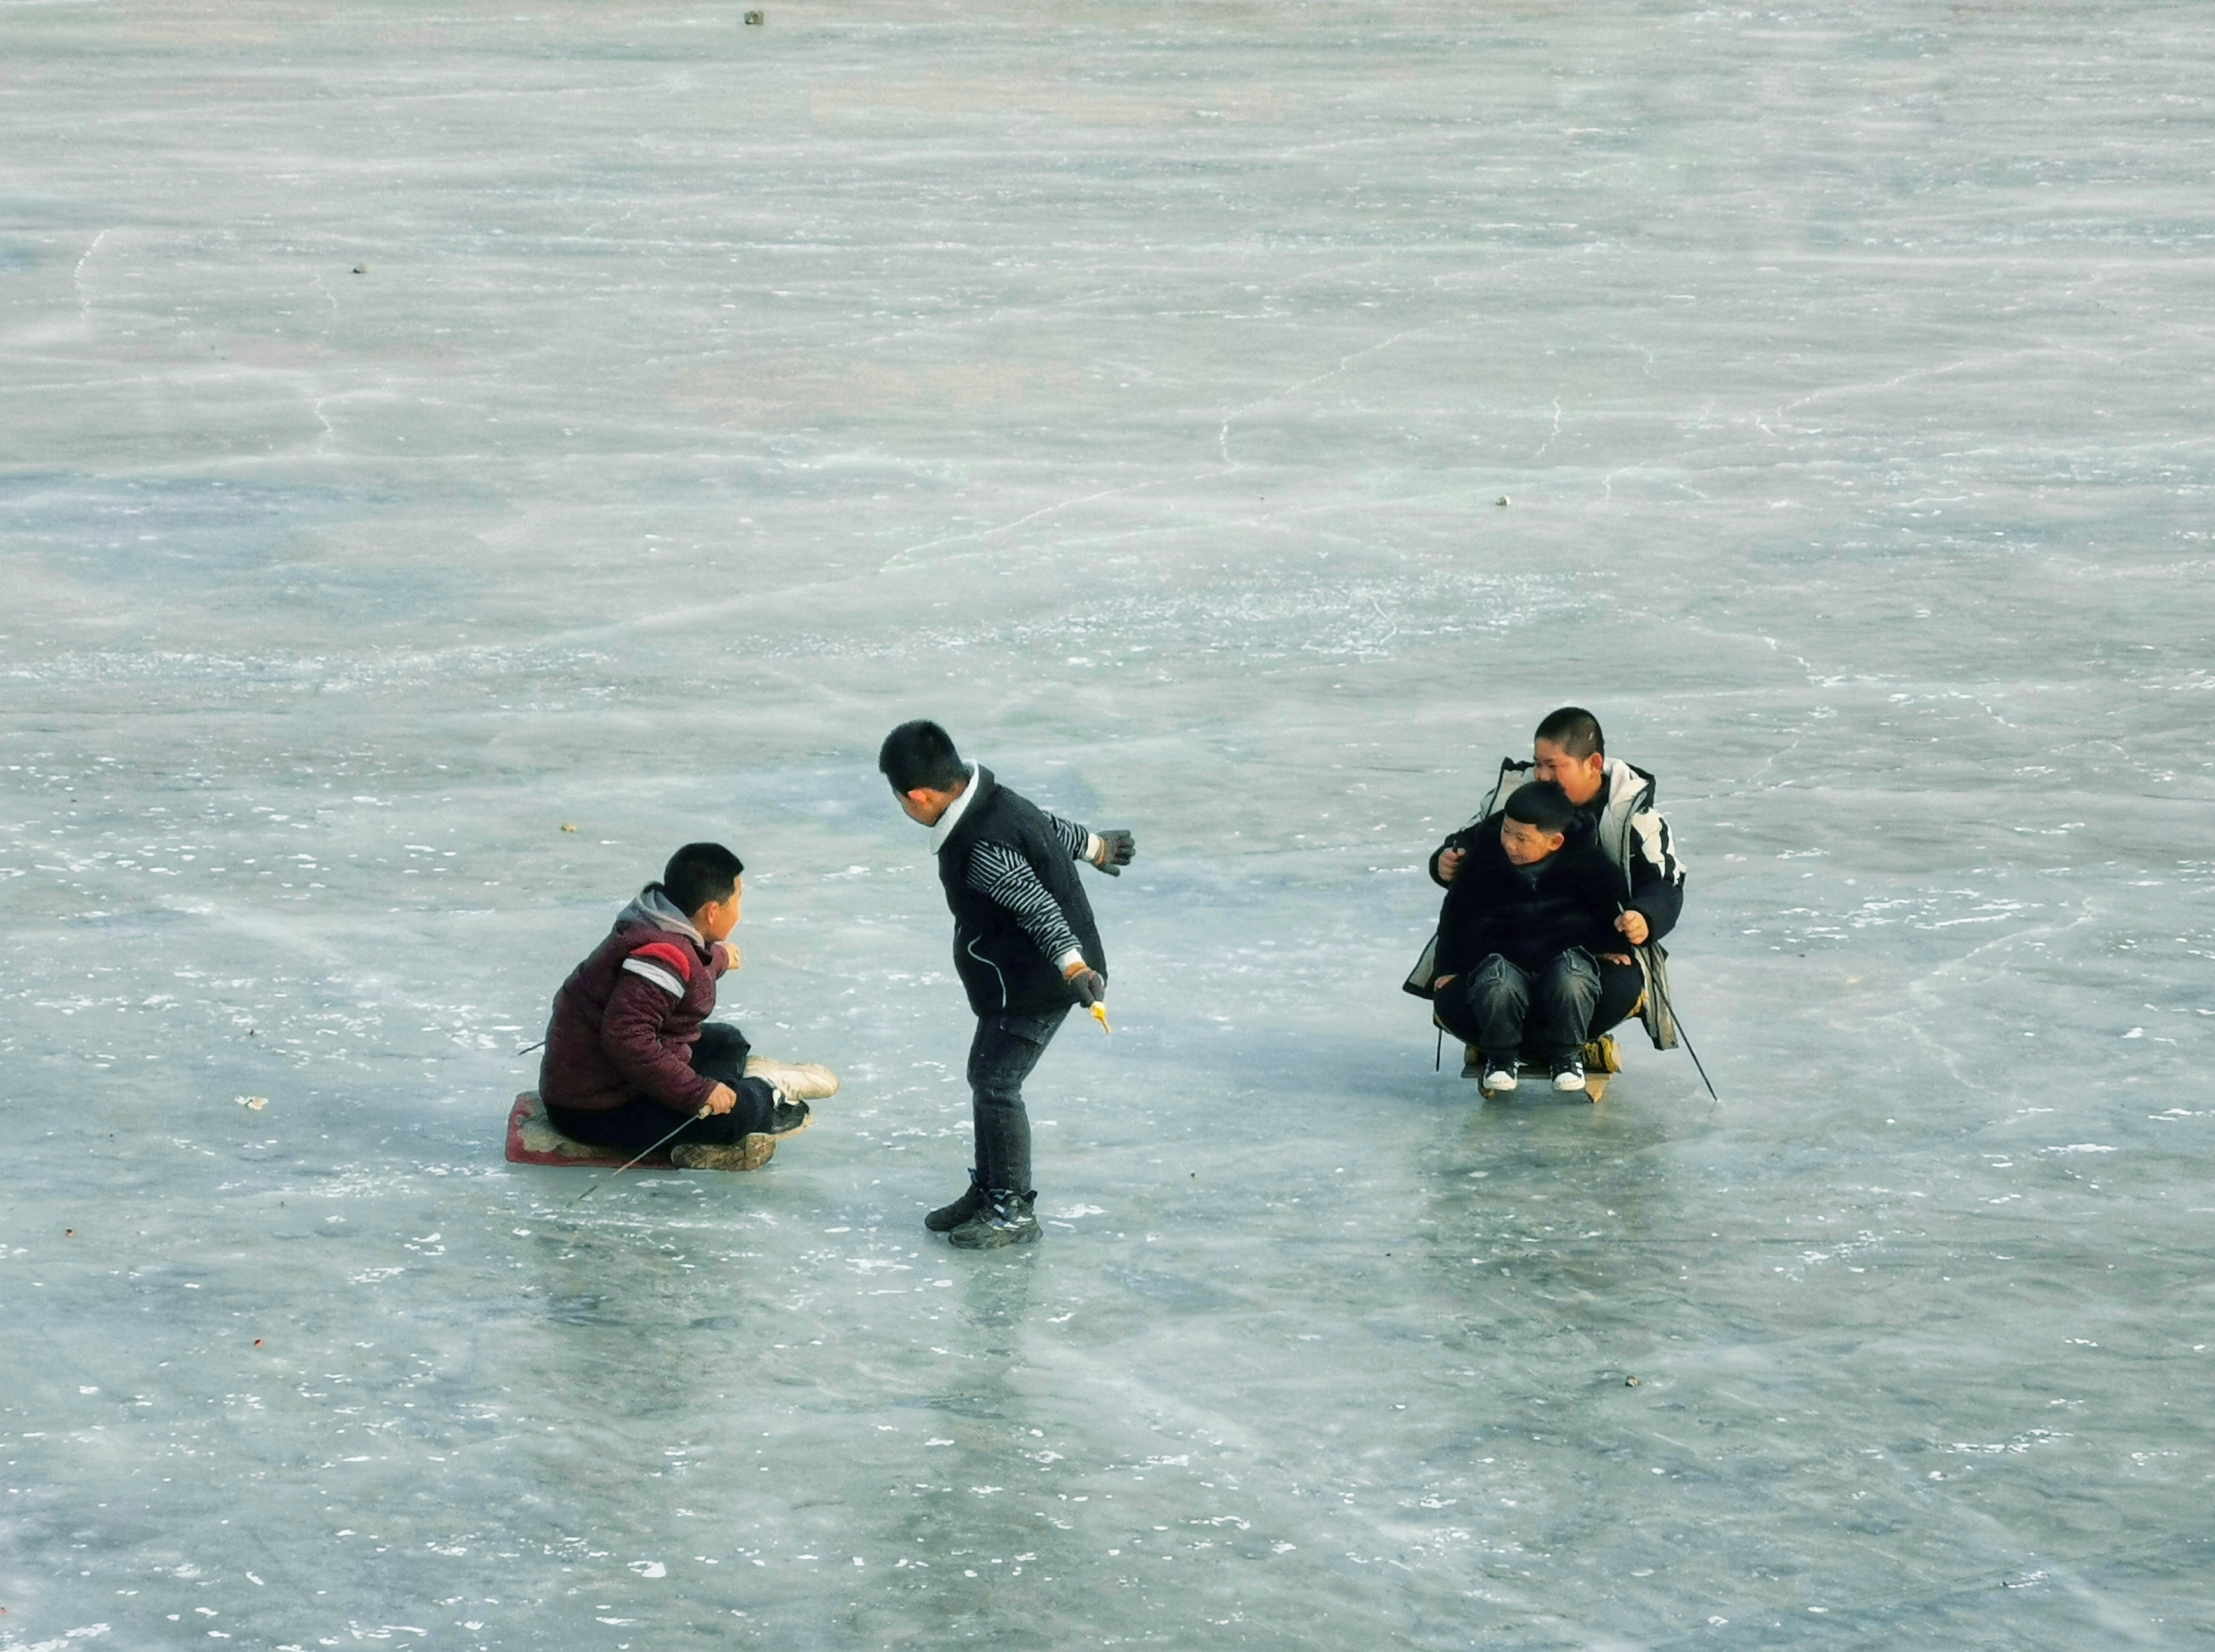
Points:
(1543, 1014)
(720, 1055)
(1001, 1057)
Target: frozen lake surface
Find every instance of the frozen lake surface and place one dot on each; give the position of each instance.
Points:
(1131, 388)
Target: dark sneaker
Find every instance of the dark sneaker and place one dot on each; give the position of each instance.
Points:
(748, 1153)
(1002, 1219)
(789, 1119)
(1499, 1074)
(1568, 1073)
(947, 1218)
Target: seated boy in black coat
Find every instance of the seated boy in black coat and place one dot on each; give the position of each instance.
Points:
(1525, 965)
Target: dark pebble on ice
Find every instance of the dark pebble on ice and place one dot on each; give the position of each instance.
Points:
(1630, 1382)
(1503, 499)
(361, 269)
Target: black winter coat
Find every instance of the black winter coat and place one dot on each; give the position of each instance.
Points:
(999, 964)
(1492, 906)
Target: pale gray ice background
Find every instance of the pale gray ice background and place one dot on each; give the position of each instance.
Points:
(1130, 386)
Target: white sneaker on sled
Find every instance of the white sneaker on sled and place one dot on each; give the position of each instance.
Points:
(793, 1081)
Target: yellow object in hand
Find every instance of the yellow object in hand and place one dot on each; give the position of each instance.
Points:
(1100, 1015)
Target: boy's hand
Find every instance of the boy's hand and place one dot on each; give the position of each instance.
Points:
(1615, 958)
(1088, 983)
(731, 959)
(1443, 982)
(1116, 848)
(1634, 927)
(1450, 862)
(722, 1099)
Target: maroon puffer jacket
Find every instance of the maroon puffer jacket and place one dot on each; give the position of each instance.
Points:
(625, 1021)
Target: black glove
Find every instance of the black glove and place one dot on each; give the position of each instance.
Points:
(1089, 986)
(1116, 848)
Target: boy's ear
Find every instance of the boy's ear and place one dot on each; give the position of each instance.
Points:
(1555, 839)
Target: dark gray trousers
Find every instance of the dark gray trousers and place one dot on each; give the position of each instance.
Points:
(1001, 1057)
(1542, 1015)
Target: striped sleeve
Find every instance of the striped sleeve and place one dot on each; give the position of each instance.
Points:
(1003, 877)
(1074, 837)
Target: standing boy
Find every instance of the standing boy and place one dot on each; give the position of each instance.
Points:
(1024, 946)
(630, 1054)
(1524, 968)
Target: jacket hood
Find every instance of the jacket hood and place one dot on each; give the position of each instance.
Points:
(654, 907)
(1626, 782)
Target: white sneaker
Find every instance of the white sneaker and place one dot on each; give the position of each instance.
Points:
(1499, 1077)
(793, 1081)
(1569, 1074)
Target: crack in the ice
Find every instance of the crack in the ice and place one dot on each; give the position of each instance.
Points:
(896, 563)
(77, 276)
(1223, 436)
(1551, 435)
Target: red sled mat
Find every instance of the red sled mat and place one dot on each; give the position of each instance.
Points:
(533, 1140)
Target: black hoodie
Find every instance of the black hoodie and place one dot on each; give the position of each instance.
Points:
(1527, 914)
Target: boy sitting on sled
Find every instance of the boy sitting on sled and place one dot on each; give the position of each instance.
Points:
(630, 1053)
(1524, 963)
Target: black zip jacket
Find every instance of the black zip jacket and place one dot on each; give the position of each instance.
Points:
(1632, 835)
(1492, 906)
(999, 963)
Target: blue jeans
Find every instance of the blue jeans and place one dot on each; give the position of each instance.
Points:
(1546, 1013)
(1001, 1057)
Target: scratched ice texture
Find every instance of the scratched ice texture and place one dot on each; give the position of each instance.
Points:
(429, 429)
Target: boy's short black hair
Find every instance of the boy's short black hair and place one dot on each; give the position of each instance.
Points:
(699, 875)
(1574, 729)
(1544, 805)
(920, 756)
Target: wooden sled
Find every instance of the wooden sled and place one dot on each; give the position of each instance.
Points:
(1602, 1062)
(532, 1138)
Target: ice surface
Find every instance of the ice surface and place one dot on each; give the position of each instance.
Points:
(1132, 387)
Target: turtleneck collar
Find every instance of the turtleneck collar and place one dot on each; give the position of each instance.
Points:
(954, 811)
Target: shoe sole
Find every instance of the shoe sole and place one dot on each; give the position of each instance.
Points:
(751, 1152)
(1567, 1086)
(994, 1238)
